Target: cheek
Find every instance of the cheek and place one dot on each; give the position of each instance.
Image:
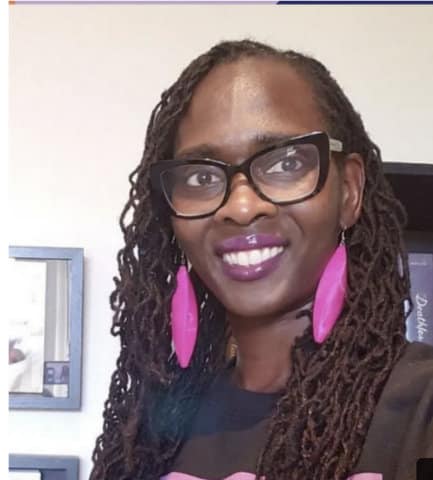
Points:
(190, 235)
(322, 212)
(318, 223)
(317, 219)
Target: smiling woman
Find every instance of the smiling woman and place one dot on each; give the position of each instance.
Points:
(258, 171)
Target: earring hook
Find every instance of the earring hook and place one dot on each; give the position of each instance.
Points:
(182, 257)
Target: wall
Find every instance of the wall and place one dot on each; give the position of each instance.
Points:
(83, 81)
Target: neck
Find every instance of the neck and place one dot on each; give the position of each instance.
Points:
(264, 345)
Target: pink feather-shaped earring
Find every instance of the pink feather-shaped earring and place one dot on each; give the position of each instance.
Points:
(184, 316)
(330, 293)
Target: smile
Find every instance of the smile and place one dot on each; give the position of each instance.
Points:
(251, 257)
(251, 265)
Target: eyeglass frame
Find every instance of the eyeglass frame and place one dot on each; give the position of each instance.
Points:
(321, 140)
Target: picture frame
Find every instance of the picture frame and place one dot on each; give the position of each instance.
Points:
(61, 305)
(51, 467)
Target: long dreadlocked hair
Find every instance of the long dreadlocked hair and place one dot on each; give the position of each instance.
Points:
(320, 423)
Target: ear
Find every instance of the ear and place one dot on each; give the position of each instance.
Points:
(353, 174)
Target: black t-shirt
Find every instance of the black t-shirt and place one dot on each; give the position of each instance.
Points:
(229, 429)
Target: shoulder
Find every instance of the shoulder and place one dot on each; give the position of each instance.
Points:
(417, 351)
(418, 357)
(408, 393)
(401, 430)
(412, 376)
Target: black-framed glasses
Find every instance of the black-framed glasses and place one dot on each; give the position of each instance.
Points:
(285, 173)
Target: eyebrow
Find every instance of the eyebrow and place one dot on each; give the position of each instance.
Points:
(259, 141)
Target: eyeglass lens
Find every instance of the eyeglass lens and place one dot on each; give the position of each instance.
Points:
(283, 174)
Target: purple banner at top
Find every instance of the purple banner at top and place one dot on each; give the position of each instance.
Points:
(284, 2)
(138, 1)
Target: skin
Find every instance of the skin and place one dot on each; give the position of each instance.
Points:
(235, 111)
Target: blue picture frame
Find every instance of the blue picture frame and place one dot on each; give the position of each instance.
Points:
(75, 257)
(52, 467)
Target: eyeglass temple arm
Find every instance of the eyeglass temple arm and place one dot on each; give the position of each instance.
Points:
(335, 145)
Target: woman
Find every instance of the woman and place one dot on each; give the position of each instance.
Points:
(274, 194)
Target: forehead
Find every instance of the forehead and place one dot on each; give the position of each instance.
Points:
(243, 100)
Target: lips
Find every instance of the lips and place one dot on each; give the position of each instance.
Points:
(242, 261)
(250, 242)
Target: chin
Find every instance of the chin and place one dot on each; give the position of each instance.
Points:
(263, 305)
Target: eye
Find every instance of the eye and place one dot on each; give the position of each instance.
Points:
(285, 165)
(202, 178)
(287, 162)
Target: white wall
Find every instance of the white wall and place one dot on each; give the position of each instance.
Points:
(83, 80)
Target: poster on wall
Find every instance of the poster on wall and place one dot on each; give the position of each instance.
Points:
(419, 325)
(27, 297)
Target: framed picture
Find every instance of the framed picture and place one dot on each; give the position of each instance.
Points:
(43, 467)
(45, 327)
(419, 326)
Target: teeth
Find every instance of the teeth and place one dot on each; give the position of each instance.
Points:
(254, 257)
(242, 259)
(251, 257)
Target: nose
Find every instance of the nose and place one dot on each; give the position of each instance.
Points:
(244, 206)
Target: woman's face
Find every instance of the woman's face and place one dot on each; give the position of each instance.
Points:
(237, 110)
